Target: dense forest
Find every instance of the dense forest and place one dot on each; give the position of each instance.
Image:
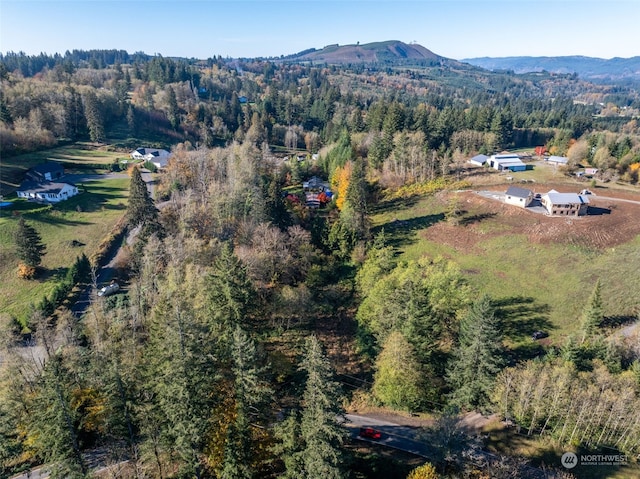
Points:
(244, 308)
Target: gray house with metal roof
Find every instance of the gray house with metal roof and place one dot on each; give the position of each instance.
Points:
(565, 204)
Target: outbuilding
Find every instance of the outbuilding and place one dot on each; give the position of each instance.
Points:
(48, 171)
(557, 160)
(517, 196)
(507, 162)
(479, 160)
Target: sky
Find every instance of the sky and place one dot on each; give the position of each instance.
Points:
(269, 28)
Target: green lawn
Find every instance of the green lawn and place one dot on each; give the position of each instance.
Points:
(539, 286)
(14, 168)
(86, 218)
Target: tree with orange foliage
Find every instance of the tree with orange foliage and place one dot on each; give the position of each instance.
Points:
(340, 183)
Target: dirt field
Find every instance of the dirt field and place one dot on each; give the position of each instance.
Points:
(615, 223)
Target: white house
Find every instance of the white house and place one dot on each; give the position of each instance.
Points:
(565, 204)
(479, 160)
(507, 162)
(557, 160)
(521, 197)
(50, 192)
(158, 157)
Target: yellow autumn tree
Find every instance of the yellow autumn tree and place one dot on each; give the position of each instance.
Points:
(426, 471)
(340, 183)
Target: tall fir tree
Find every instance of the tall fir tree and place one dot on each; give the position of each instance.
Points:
(250, 392)
(592, 313)
(173, 111)
(29, 244)
(141, 210)
(53, 422)
(478, 357)
(275, 207)
(354, 211)
(229, 289)
(321, 435)
(94, 116)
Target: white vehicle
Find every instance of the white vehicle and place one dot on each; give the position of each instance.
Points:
(110, 289)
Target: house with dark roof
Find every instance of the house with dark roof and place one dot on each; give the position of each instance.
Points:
(565, 204)
(47, 191)
(49, 171)
(517, 196)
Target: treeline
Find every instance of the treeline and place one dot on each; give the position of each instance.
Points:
(445, 113)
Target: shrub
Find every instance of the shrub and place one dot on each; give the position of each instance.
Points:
(26, 272)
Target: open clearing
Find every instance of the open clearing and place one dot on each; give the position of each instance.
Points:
(541, 269)
(86, 218)
(14, 168)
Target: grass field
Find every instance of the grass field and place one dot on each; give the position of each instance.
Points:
(86, 218)
(542, 283)
(14, 168)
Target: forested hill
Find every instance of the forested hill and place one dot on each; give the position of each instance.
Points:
(379, 52)
(585, 67)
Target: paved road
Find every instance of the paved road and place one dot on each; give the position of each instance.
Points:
(397, 436)
(40, 473)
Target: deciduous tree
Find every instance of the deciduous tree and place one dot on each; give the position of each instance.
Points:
(397, 381)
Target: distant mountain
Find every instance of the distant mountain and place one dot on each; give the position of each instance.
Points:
(380, 52)
(588, 68)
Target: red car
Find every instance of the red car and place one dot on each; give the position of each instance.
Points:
(370, 433)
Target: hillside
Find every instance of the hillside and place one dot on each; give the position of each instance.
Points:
(585, 67)
(389, 51)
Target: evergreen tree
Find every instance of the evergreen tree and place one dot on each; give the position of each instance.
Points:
(276, 210)
(354, 211)
(320, 433)
(141, 210)
(53, 422)
(250, 392)
(593, 312)
(478, 357)
(94, 116)
(229, 289)
(131, 119)
(182, 374)
(172, 108)
(29, 244)
(5, 114)
(289, 446)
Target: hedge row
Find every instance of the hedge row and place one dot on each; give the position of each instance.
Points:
(78, 273)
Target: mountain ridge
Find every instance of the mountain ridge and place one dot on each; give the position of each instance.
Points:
(588, 68)
(376, 52)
